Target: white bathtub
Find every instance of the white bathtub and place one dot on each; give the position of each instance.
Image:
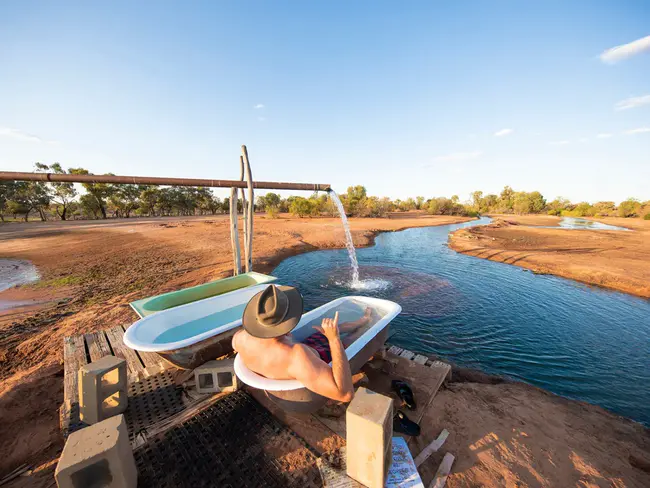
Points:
(191, 334)
(291, 394)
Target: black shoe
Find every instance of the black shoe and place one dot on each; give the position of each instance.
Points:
(403, 425)
(404, 392)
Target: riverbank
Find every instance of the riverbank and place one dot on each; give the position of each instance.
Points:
(90, 274)
(617, 260)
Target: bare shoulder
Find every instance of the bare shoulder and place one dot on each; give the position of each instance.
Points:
(237, 339)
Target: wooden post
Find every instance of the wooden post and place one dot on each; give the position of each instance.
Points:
(234, 233)
(251, 210)
(242, 167)
(243, 210)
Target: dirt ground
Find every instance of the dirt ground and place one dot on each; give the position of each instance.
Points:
(513, 434)
(91, 271)
(612, 259)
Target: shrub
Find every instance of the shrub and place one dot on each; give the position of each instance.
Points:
(646, 216)
(272, 211)
(629, 208)
(301, 207)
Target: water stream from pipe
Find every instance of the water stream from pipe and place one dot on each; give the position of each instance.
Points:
(352, 253)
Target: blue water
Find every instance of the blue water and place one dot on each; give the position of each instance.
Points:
(577, 341)
(199, 326)
(349, 311)
(14, 272)
(578, 223)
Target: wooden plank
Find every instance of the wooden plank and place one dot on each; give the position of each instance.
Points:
(134, 366)
(97, 345)
(407, 354)
(15, 474)
(443, 370)
(152, 362)
(431, 448)
(74, 357)
(335, 424)
(395, 350)
(420, 359)
(442, 366)
(440, 478)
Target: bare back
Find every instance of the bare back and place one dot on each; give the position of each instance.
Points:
(271, 358)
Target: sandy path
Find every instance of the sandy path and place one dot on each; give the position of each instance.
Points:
(91, 272)
(612, 259)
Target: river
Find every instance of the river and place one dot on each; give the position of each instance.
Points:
(14, 272)
(577, 341)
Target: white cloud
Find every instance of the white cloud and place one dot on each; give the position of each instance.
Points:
(583, 139)
(458, 156)
(640, 130)
(604, 136)
(20, 135)
(625, 50)
(632, 102)
(503, 132)
(559, 143)
(259, 105)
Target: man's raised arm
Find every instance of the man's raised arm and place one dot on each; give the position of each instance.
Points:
(334, 382)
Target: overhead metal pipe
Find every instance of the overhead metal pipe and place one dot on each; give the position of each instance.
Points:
(152, 180)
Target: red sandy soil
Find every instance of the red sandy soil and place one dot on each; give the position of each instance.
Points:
(502, 434)
(611, 259)
(513, 434)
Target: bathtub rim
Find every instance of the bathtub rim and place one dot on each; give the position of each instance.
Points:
(260, 382)
(139, 345)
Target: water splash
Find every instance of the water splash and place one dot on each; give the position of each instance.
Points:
(352, 253)
(371, 285)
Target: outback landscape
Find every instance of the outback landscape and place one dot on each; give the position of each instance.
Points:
(90, 271)
(462, 186)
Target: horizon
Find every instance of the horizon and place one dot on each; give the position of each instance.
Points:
(433, 100)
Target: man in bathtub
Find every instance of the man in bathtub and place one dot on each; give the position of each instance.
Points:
(266, 346)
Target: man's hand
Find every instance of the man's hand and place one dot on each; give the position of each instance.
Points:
(330, 328)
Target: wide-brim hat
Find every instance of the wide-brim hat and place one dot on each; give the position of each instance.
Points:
(273, 312)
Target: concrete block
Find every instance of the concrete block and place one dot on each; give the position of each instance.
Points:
(103, 389)
(99, 456)
(216, 376)
(369, 433)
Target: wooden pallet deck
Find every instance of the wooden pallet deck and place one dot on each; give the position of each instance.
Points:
(83, 349)
(425, 375)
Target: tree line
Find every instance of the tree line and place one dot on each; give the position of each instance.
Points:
(358, 204)
(57, 200)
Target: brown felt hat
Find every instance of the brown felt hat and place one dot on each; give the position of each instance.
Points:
(273, 312)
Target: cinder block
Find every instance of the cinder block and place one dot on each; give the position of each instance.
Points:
(100, 456)
(103, 389)
(369, 432)
(216, 376)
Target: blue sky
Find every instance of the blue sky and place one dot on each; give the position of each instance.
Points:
(407, 98)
